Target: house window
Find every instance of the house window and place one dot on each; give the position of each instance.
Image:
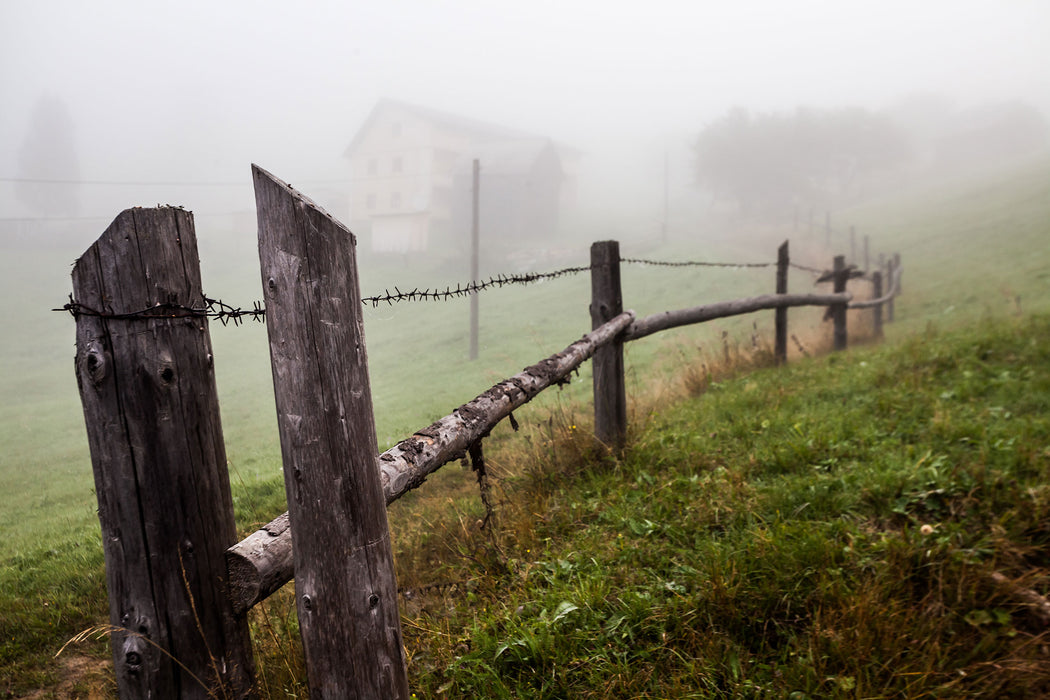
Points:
(395, 200)
(373, 166)
(397, 166)
(370, 201)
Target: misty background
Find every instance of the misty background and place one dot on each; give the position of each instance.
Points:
(113, 104)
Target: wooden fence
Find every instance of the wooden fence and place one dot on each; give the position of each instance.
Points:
(179, 583)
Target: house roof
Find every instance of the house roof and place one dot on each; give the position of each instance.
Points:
(477, 129)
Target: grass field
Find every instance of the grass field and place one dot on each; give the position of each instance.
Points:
(973, 252)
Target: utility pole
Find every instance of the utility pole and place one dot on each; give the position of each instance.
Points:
(474, 244)
(666, 198)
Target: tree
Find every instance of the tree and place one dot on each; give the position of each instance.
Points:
(48, 166)
(770, 160)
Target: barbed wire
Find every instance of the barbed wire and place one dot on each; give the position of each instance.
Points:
(814, 270)
(473, 287)
(213, 308)
(226, 313)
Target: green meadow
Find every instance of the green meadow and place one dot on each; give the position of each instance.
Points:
(766, 533)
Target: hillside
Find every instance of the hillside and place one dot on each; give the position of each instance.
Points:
(853, 526)
(745, 540)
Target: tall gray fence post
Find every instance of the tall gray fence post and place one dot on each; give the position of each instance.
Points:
(876, 292)
(894, 283)
(838, 311)
(346, 594)
(610, 393)
(780, 320)
(475, 237)
(147, 385)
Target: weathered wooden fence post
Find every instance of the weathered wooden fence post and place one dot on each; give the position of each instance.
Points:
(610, 393)
(475, 238)
(838, 311)
(897, 272)
(876, 293)
(145, 372)
(780, 320)
(346, 594)
(893, 282)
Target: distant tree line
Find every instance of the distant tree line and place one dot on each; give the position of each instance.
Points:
(767, 162)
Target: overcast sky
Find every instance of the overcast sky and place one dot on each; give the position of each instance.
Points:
(166, 91)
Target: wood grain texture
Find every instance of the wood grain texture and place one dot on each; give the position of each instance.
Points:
(841, 275)
(610, 391)
(698, 314)
(780, 319)
(346, 593)
(148, 391)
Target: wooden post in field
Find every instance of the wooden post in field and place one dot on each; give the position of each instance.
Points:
(610, 394)
(897, 272)
(890, 281)
(876, 293)
(346, 595)
(147, 384)
(475, 237)
(838, 311)
(780, 315)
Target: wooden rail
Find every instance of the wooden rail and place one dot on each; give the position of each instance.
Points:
(262, 562)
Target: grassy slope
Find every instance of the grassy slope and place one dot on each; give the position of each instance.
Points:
(51, 579)
(826, 531)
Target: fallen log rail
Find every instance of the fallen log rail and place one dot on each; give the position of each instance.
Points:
(698, 314)
(262, 562)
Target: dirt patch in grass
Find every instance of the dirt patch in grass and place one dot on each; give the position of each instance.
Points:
(80, 678)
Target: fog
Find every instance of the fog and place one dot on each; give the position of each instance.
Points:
(187, 94)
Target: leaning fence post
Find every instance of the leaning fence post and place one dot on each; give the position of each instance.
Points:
(780, 320)
(147, 385)
(610, 394)
(897, 271)
(894, 284)
(838, 311)
(876, 292)
(346, 594)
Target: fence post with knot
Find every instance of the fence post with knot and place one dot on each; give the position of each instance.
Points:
(145, 373)
(610, 393)
(346, 593)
